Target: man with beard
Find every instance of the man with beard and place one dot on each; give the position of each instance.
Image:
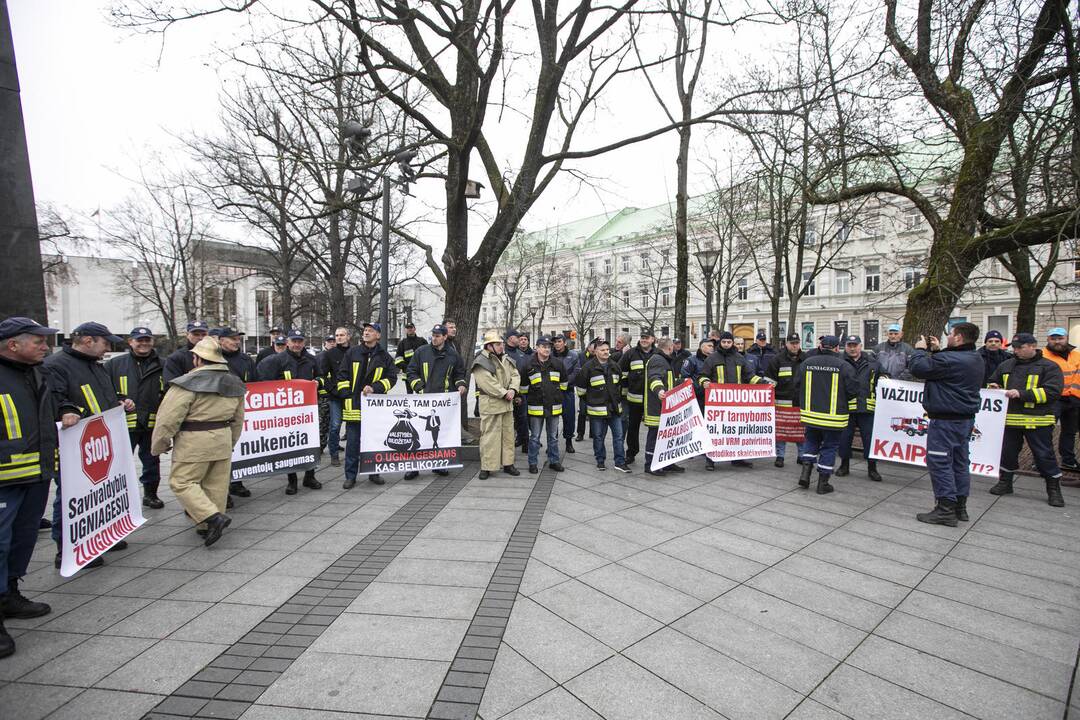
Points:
(1067, 358)
(894, 354)
(435, 368)
(180, 361)
(364, 370)
(632, 369)
(293, 364)
(137, 374)
(728, 366)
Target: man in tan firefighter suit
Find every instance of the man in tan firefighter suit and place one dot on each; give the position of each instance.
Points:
(496, 383)
(200, 419)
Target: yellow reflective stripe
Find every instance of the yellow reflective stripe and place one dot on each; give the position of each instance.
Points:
(386, 385)
(18, 473)
(348, 413)
(378, 374)
(424, 370)
(835, 393)
(355, 372)
(738, 374)
(1040, 395)
(11, 417)
(123, 385)
(720, 374)
(91, 400)
(809, 382)
(637, 365)
(598, 380)
(409, 354)
(343, 385)
(635, 397)
(784, 372)
(597, 411)
(288, 374)
(1028, 421)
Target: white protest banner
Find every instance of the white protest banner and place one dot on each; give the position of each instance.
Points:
(741, 421)
(281, 429)
(682, 430)
(401, 433)
(900, 427)
(99, 488)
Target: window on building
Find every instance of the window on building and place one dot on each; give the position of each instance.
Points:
(607, 267)
(912, 277)
(1076, 270)
(590, 267)
(665, 296)
(625, 298)
(228, 306)
(665, 331)
(842, 282)
(644, 259)
(810, 284)
(644, 289)
(870, 333)
(873, 278)
(843, 232)
(211, 309)
(810, 237)
(625, 263)
(742, 289)
(483, 314)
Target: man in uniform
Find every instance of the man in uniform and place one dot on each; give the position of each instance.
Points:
(27, 448)
(632, 369)
(543, 385)
(435, 368)
(586, 355)
(406, 347)
(992, 352)
(824, 385)
(365, 369)
(520, 360)
(760, 353)
(200, 420)
(951, 399)
(659, 378)
(602, 402)
(679, 355)
(894, 355)
(293, 364)
(693, 366)
(179, 362)
(242, 366)
(782, 369)
(571, 361)
(137, 374)
(80, 387)
(1067, 358)
(497, 381)
(728, 365)
(328, 365)
(860, 407)
(276, 343)
(1033, 385)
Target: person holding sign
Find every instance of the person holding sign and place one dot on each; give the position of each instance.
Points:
(599, 380)
(861, 407)
(824, 384)
(951, 399)
(497, 382)
(366, 368)
(543, 388)
(728, 365)
(1033, 385)
(435, 368)
(200, 420)
(659, 378)
(632, 368)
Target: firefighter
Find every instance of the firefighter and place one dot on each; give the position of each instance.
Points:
(407, 346)
(543, 386)
(824, 384)
(761, 353)
(80, 387)
(200, 420)
(632, 369)
(659, 378)
(328, 365)
(276, 344)
(520, 360)
(951, 399)
(242, 366)
(728, 365)
(679, 355)
(497, 382)
(366, 368)
(295, 363)
(179, 362)
(602, 401)
(1067, 358)
(1033, 385)
(586, 356)
(571, 361)
(137, 374)
(693, 366)
(27, 447)
(436, 367)
(782, 368)
(860, 407)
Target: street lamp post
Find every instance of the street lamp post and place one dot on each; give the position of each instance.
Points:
(707, 260)
(511, 300)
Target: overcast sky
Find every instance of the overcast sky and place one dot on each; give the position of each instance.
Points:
(97, 100)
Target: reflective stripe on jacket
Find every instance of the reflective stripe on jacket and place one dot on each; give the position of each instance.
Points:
(363, 366)
(1070, 370)
(1039, 383)
(658, 376)
(542, 384)
(27, 427)
(823, 386)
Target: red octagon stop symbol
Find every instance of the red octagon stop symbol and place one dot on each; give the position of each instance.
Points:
(95, 446)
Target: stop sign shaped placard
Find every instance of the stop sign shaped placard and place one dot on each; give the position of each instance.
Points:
(95, 447)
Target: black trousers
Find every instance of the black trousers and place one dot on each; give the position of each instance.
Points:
(1070, 424)
(1040, 440)
(633, 429)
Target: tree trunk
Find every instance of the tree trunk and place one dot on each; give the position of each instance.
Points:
(1025, 311)
(682, 254)
(931, 303)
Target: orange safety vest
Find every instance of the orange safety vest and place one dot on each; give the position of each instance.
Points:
(1070, 368)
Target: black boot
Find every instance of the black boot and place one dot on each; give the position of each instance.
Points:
(570, 446)
(311, 482)
(823, 486)
(844, 469)
(944, 513)
(709, 465)
(1004, 485)
(1053, 493)
(7, 643)
(290, 489)
(778, 462)
(411, 475)
(961, 508)
(150, 498)
(215, 525)
(872, 473)
(804, 475)
(511, 470)
(376, 478)
(238, 489)
(13, 604)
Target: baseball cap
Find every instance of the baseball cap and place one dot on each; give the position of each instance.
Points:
(1024, 339)
(279, 339)
(328, 338)
(544, 340)
(793, 337)
(511, 332)
(17, 325)
(93, 329)
(761, 335)
(829, 341)
(297, 334)
(1057, 331)
(225, 331)
(410, 325)
(894, 327)
(852, 340)
(197, 325)
(677, 340)
(560, 336)
(993, 335)
(647, 332)
(374, 326)
(439, 330)
(276, 330)
(140, 332)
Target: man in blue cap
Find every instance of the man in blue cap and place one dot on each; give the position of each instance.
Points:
(1066, 357)
(894, 354)
(27, 448)
(180, 362)
(366, 368)
(80, 387)
(137, 374)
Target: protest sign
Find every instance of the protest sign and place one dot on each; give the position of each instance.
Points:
(789, 427)
(402, 433)
(741, 421)
(682, 430)
(99, 489)
(900, 427)
(281, 429)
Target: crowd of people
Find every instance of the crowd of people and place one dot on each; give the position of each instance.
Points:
(191, 403)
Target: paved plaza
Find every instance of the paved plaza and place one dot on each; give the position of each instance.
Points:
(572, 596)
